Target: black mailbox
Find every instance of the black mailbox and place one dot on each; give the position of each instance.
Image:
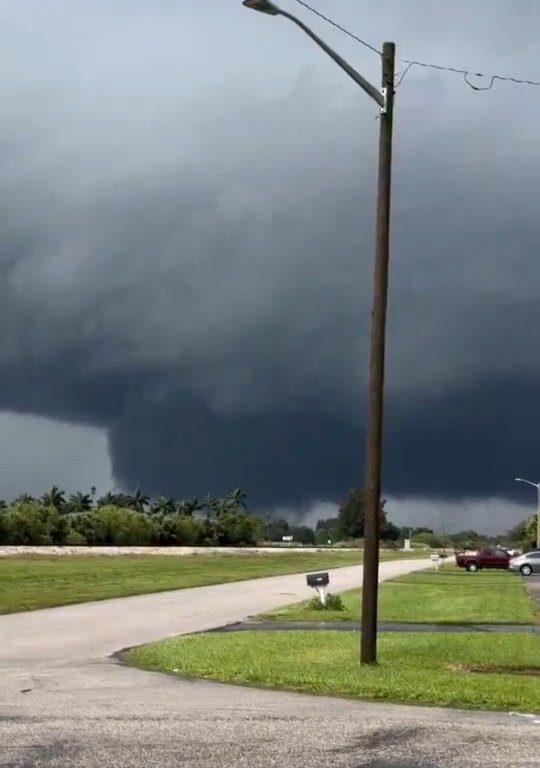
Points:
(317, 579)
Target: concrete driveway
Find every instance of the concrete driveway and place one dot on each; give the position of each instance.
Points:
(65, 702)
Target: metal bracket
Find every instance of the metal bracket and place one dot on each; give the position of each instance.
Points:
(384, 108)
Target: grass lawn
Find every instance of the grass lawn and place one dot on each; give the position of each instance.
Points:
(449, 596)
(31, 582)
(35, 581)
(434, 669)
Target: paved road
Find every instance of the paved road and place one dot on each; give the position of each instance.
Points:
(64, 702)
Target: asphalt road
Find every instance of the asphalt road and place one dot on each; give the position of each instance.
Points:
(65, 702)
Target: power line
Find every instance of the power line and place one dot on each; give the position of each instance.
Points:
(338, 26)
(467, 73)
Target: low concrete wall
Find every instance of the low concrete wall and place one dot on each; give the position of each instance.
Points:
(6, 551)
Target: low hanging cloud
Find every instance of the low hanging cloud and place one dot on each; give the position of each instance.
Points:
(186, 248)
(492, 516)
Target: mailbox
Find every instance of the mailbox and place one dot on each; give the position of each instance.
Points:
(317, 580)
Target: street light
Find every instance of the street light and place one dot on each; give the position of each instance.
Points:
(374, 434)
(264, 6)
(537, 486)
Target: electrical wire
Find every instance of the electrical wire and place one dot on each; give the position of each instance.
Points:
(467, 73)
(338, 26)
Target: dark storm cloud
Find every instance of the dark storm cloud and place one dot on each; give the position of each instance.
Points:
(186, 248)
(282, 457)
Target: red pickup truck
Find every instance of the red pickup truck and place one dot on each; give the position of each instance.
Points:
(484, 558)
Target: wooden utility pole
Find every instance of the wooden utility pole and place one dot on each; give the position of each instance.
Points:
(372, 487)
(374, 435)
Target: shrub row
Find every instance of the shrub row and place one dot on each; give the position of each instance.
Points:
(33, 524)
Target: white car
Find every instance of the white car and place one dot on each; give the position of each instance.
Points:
(526, 564)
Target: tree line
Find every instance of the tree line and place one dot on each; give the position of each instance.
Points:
(137, 501)
(135, 519)
(127, 519)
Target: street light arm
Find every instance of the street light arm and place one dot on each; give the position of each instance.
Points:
(522, 480)
(272, 9)
(375, 94)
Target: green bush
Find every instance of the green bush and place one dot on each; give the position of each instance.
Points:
(302, 534)
(179, 530)
(3, 527)
(75, 539)
(428, 540)
(529, 538)
(114, 526)
(32, 523)
(333, 603)
(236, 529)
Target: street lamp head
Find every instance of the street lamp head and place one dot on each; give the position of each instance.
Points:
(263, 6)
(519, 479)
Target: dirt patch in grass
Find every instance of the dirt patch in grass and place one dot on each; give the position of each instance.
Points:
(489, 669)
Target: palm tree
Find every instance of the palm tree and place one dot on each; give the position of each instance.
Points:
(110, 499)
(163, 506)
(222, 506)
(24, 498)
(188, 506)
(137, 500)
(237, 499)
(54, 498)
(79, 502)
(122, 500)
(211, 505)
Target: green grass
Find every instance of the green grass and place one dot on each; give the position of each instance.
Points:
(448, 596)
(427, 669)
(28, 583)
(34, 581)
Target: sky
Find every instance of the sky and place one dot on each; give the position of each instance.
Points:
(186, 240)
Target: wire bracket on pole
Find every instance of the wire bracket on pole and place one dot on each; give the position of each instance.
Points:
(384, 94)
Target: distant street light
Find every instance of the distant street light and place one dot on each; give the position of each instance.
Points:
(374, 435)
(537, 486)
